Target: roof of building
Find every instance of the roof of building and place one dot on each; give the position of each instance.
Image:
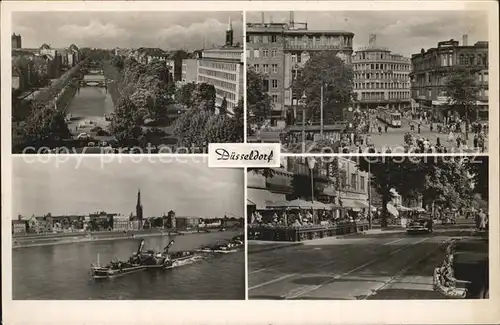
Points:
(45, 46)
(156, 52)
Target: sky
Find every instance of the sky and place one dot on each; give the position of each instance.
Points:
(166, 30)
(403, 32)
(89, 185)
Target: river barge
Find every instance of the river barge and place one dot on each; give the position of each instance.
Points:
(143, 260)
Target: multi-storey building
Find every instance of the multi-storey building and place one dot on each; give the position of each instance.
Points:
(431, 69)
(381, 78)
(16, 41)
(279, 50)
(190, 67)
(223, 68)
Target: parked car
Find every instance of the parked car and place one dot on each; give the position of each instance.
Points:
(420, 226)
(83, 136)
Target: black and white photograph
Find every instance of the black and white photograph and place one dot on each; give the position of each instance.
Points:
(368, 82)
(126, 82)
(127, 230)
(369, 228)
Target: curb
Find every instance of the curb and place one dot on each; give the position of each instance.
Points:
(266, 249)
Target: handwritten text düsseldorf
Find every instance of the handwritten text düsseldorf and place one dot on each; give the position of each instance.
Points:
(254, 155)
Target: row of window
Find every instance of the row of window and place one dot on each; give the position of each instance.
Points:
(225, 94)
(382, 76)
(262, 53)
(450, 59)
(218, 65)
(262, 39)
(379, 56)
(442, 92)
(381, 85)
(217, 83)
(218, 74)
(429, 78)
(355, 182)
(381, 95)
(264, 68)
(381, 66)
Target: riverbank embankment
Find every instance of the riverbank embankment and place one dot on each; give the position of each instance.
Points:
(83, 237)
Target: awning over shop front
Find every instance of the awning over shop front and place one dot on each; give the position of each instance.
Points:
(298, 204)
(354, 204)
(261, 198)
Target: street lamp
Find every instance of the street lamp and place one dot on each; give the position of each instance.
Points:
(302, 103)
(311, 162)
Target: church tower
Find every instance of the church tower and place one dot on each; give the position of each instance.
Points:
(138, 207)
(229, 34)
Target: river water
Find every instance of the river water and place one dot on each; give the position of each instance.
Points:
(89, 103)
(62, 272)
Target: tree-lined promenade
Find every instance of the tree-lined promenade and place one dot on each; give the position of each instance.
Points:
(151, 112)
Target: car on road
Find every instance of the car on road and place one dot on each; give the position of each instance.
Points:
(83, 136)
(419, 226)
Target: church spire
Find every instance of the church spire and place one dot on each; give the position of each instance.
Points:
(229, 34)
(138, 197)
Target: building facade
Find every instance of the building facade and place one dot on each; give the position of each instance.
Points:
(223, 68)
(351, 193)
(381, 78)
(189, 70)
(16, 41)
(279, 50)
(431, 69)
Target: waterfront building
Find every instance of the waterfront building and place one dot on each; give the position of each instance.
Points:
(432, 67)
(19, 226)
(381, 78)
(184, 223)
(223, 68)
(279, 50)
(16, 41)
(147, 55)
(121, 223)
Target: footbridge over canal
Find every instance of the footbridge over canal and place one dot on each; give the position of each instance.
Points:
(94, 80)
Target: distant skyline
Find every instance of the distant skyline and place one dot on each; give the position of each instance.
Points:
(165, 30)
(187, 187)
(403, 32)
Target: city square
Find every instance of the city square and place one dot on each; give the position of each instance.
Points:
(315, 89)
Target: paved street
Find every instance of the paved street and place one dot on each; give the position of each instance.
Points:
(375, 265)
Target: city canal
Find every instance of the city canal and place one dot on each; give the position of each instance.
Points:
(91, 103)
(62, 271)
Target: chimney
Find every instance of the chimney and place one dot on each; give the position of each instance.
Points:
(464, 40)
(262, 18)
(291, 19)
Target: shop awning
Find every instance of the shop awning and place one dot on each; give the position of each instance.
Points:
(354, 204)
(261, 198)
(298, 204)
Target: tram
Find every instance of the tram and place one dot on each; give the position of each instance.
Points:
(391, 118)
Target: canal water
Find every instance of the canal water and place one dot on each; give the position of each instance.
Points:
(62, 272)
(90, 104)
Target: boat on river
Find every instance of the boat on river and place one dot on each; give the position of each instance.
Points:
(143, 260)
(231, 246)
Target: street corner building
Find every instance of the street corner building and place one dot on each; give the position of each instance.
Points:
(369, 228)
(164, 236)
(137, 94)
(317, 85)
